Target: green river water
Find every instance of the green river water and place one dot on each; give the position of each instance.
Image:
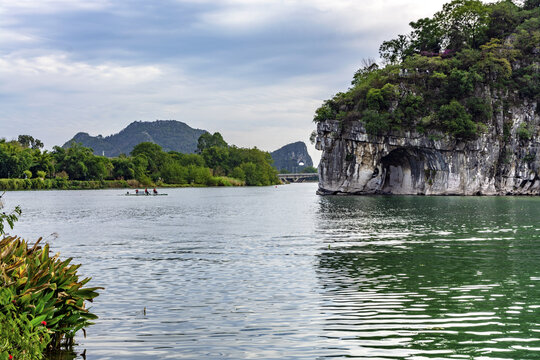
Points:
(281, 273)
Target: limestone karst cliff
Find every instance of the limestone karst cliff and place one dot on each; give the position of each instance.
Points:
(292, 157)
(455, 109)
(354, 162)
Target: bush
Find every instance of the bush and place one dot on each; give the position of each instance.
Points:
(45, 289)
(325, 112)
(479, 108)
(457, 121)
(198, 175)
(20, 337)
(62, 175)
(375, 99)
(523, 132)
(375, 122)
(174, 173)
(238, 173)
(219, 181)
(411, 107)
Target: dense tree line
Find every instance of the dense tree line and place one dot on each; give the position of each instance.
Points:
(437, 76)
(216, 163)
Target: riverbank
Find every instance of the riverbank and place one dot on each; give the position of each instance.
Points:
(64, 184)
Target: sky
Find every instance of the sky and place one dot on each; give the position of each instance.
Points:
(253, 70)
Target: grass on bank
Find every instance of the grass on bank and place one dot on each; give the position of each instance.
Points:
(64, 184)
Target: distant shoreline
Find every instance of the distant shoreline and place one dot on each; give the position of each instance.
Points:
(63, 184)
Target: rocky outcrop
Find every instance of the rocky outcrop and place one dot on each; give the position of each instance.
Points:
(502, 161)
(292, 158)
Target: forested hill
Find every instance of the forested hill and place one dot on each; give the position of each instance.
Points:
(171, 135)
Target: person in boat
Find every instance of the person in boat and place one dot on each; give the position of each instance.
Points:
(146, 191)
(155, 191)
(137, 191)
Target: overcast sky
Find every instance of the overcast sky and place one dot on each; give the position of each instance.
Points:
(254, 70)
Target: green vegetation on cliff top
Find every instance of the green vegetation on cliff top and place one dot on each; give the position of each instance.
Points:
(452, 73)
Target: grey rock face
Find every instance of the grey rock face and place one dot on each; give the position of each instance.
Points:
(289, 157)
(499, 162)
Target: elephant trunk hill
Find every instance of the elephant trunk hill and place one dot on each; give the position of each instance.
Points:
(455, 111)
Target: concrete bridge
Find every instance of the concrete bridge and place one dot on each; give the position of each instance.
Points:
(297, 178)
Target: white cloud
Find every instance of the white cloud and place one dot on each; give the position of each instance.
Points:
(50, 6)
(8, 36)
(58, 72)
(344, 16)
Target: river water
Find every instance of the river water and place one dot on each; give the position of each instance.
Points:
(281, 273)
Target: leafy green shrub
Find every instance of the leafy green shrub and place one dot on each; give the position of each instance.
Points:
(20, 337)
(325, 112)
(198, 175)
(457, 121)
(45, 289)
(41, 174)
(62, 175)
(529, 158)
(479, 108)
(219, 181)
(523, 132)
(376, 123)
(174, 173)
(238, 173)
(375, 99)
(411, 107)
(460, 83)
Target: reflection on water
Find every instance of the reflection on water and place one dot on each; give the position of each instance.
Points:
(431, 277)
(280, 273)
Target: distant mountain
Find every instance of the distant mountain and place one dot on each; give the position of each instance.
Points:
(290, 156)
(169, 134)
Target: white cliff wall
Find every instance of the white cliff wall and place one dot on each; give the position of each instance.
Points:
(498, 162)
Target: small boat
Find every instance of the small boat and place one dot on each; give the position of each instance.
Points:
(143, 194)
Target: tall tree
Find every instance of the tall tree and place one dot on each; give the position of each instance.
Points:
(29, 141)
(206, 141)
(464, 23)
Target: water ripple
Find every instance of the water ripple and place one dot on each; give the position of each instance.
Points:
(280, 273)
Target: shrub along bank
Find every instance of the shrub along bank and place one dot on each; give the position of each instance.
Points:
(42, 299)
